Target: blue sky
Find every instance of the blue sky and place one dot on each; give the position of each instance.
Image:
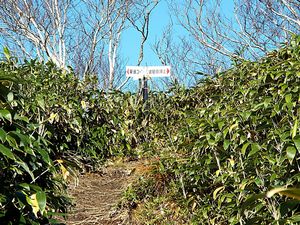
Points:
(160, 18)
(131, 39)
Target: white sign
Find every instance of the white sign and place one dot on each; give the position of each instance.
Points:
(138, 72)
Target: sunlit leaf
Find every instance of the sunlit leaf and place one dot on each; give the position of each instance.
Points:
(290, 153)
(296, 140)
(244, 148)
(254, 149)
(226, 144)
(5, 114)
(10, 97)
(294, 219)
(218, 190)
(289, 192)
(34, 204)
(295, 128)
(41, 102)
(41, 198)
(288, 98)
(6, 53)
(22, 118)
(63, 169)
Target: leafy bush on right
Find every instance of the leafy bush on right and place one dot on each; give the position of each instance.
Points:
(228, 140)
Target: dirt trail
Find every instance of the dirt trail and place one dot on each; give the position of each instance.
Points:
(97, 195)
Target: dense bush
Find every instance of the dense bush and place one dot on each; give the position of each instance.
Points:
(218, 146)
(50, 122)
(225, 142)
(81, 121)
(31, 183)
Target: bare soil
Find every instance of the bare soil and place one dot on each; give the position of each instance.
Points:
(97, 194)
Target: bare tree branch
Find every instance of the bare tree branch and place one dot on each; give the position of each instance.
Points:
(215, 37)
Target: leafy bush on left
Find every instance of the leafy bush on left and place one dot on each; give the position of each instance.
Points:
(32, 188)
(82, 122)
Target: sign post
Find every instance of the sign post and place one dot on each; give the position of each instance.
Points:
(145, 89)
(146, 72)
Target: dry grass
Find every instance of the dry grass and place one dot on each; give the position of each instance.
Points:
(97, 194)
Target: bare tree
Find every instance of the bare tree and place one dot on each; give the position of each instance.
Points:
(101, 29)
(264, 25)
(181, 55)
(37, 28)
(116, 25)
(213, 37)
(82, 34)
(139, 18)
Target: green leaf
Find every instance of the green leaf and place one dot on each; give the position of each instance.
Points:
(25, 186)
(22, 220)
(44, 155)
(251, 201)
(2, 135)
(255, 220)
(295, 128)
(287, 206)
(294, 219)
(226, 144)
(26, 168)
(290, 153)
(211, 142)
(254, 149)
(225, 132)
(6, 53)
(219, 189)
(24, 139)
(257, 107)
(244, 148)
(10, 97)
(29, 150)
(246, 115)
(12, 141)
(23, 118)
(6, 152)
(41, 199)
(296, 140)
(288, 98)
(41, 102)
(5, 114)
(234, 126)
(221, 124)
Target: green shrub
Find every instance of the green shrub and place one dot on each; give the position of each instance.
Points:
(81, 122)
(31, 184)
(52, 122)
(232, 138)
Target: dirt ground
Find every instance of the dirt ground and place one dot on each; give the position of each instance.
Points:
(97, 194)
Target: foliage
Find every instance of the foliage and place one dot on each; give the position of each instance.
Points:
(219, 147)
(31, 185)
(52, 122)
(290, 192)
(227, 141)
(82, 122)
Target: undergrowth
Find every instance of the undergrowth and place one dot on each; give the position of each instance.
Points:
(217, 148)
(224, 143)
